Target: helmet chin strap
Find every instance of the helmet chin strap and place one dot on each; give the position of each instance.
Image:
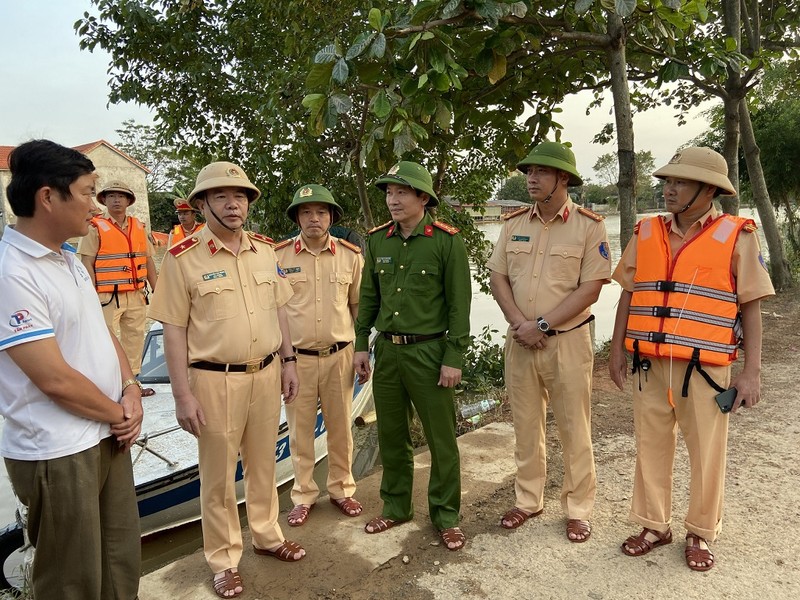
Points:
(550, 195)
(692, 201)
(231, 229)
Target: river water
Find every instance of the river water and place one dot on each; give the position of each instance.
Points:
(484, 312)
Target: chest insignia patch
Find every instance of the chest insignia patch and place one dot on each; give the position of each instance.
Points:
(279, 270)
(520, 238)
(215, 275)
(383, 260)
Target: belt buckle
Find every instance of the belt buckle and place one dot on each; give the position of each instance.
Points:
(252, 368)
(398, 339)
(327, 351)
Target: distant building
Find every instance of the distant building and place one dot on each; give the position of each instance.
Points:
(112, 164)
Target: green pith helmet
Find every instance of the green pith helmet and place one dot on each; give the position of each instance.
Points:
(555, 155)
(411, 174)
(219, 175)
(699, 164)
(312, 192)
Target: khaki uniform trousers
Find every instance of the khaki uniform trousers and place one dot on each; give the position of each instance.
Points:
(705, 431)
(329, 378)
(127, 321)
(560, 374)
(242, 411)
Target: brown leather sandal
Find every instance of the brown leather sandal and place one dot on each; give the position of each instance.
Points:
(229, 581)
(299, 515)
(381, 524)
(453, 535)
(639, 545)
(696, 554)
(349, 506)
(284, 552)
(580, 529)
(516, 517)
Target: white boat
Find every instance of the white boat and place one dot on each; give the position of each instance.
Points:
(165, 459)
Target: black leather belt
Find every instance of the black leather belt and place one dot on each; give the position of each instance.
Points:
(228, 368)
(588, 320)
(410, 338)
(325, 351)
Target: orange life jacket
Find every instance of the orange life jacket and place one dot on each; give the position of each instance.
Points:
(685, 306)
(121, 261)
(179, 233)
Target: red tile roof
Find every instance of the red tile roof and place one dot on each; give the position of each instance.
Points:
(83, 149)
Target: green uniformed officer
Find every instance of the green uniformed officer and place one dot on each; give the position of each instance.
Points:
(416, 292)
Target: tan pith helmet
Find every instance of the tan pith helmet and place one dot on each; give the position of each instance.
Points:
(219, 175)
(115, 186)
(699, 164)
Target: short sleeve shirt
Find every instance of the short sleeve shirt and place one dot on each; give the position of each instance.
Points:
(90, 243)
(228, 302)
(325, 285)
(546, 261)
(48, 294)
(748, 267)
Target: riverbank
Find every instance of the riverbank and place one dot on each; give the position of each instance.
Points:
(536, 561)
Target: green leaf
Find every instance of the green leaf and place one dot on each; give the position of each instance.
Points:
(380, 105)
(625, 8)
(436, 60)
(340, 71)
(423, 79)
(581, 6)
(341, 102)
(518, 9)
(409, 87)
(375, 19)
(451, 9)
(313, 101)
(418, 130)
(440, 81)
(404, 142)
(414, 41)
(498, 70)
(319, 76)
(359, 45)
(673, 4)
(730, 44)
(378, 47)
(428, 35)
(326, 55)
(484, 61)
(443, 116)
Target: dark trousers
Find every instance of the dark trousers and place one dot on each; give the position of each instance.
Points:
(83, 522)
(406, 377)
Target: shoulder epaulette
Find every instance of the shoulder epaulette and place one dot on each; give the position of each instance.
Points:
(379, 227)
(516, 213)
(351, 246)
(591, 214)
(636, 227)
(261, 238)
(445, 227)
(185, 244)
(284, 243)
(750, 226)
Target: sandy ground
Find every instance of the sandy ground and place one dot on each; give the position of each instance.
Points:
(758, 553)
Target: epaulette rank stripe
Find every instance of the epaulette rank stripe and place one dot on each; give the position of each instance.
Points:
(591, 214)
(351, 246)
(750, 226)
(379, 227)
(184, 245)
(636, 227)
(445, 227)
(283, 244)
(261, 238)
(516, 213)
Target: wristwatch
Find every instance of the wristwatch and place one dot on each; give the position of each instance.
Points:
(130, 382)
(292, 358)
(543, 325)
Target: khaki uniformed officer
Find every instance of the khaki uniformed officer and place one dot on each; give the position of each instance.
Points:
(548, 267)
(229, 355)
(325, 274)
(416, 292)
(684, 277)
(187, 222)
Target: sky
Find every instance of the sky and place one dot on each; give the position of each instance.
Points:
(52, 89)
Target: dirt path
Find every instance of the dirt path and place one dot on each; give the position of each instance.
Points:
(536, 561)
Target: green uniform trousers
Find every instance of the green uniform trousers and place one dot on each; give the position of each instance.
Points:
(407, 376)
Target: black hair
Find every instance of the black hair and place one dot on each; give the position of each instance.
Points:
(39, 163)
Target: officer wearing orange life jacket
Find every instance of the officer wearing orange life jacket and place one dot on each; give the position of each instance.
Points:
(685, 277)
(188, 224)
(118, 254)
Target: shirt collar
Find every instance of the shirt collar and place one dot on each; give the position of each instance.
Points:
(29, 246)
(107, 215)
(700, 223)
(564, 212)
(214, 244)
(424, 227)
(300, 245)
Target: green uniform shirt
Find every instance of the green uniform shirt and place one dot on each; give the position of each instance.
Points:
(419, 285)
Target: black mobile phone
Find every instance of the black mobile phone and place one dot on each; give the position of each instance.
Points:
(726, 399)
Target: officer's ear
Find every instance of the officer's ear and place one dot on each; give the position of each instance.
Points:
(425, 197)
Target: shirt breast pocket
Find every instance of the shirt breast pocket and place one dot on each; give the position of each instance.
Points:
(518, 257)
(385, 275)
(218, 298)
(301, 289)
(565, 262)
(421, 277)
(340, 286)
(265, 288)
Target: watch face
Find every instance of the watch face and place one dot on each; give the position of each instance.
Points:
(544, 325)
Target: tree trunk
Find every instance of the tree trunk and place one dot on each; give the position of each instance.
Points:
(626, 185)
(779, 266)
(732, 24)
(361, 186)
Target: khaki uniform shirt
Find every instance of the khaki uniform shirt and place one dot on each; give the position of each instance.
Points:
(227, 302)
(748, 268)
(90, 243)
(324, 286)
(546, 262)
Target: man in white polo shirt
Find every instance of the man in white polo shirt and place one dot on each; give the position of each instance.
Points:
(72, 408)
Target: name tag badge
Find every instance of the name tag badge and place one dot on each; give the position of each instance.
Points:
(289, 270)
(216, 275)
(520, 238)
(383, 260)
